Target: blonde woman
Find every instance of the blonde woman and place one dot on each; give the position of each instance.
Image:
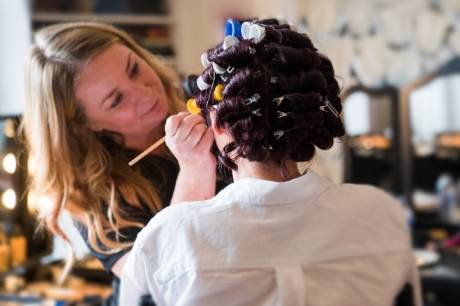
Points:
(95, 99)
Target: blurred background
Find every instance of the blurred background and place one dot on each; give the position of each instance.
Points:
(398, 63)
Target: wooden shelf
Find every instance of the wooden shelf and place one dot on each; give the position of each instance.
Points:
(150, 30)
(127, 19)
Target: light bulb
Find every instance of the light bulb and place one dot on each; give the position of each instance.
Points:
(9, 199)
(9, 163)
(9, 128)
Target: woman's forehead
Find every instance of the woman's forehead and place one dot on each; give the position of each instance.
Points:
(99, 74)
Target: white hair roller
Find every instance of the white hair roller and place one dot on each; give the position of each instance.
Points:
(230, 41)
(202, 85)
(245, 29)
(204, 60)
(218, 69)
(257, 32)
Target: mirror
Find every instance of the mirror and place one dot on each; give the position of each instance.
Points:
(9, 182)
(440, 97)
(371, 125)
(433, 112)
(435, 125)
(15, 217)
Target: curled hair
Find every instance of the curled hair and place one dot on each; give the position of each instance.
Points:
(235, 56)
(288, 38)
(281, 99)
(244, 81)
(290, 58)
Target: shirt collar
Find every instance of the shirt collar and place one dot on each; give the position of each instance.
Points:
(257, 191)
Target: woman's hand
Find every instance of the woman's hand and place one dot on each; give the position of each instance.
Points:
(190, 140)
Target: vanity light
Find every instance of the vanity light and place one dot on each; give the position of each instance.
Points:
(9, 128)
(9, 199)
(9, 163)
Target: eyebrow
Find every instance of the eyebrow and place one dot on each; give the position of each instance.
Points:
(113, 90)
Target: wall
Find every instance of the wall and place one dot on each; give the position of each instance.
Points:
(15, 37)
(199, 24)
(373, 42)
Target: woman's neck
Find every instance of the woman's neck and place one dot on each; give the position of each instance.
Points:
(266, 170)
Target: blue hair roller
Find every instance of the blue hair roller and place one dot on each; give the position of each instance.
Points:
(233, 28)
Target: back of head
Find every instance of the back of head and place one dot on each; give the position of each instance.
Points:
(280, 98)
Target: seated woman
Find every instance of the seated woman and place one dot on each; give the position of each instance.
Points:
(274, 236)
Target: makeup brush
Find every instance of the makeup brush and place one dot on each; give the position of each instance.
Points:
(191, 107)
(158, 143)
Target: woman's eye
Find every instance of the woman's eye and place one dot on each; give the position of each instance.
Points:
(134, 70)
(117, 101)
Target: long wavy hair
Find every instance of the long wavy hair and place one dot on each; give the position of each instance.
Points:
(74, 166)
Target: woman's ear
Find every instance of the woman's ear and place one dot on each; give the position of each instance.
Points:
(218, 131)
(221, 135)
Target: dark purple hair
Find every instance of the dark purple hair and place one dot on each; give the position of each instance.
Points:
(274, 97)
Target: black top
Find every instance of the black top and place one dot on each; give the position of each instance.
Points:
(162, 173)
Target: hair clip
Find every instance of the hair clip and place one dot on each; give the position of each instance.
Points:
(202, 85)
(233, 28)
(224, 75)
(252, 99)
(252, 50)
(210, 92)
(230, 69)
(257, 112)
(217, 68)
(278, 134)
(257, 74)
(273, 79)
(192, 107)
(218, 92)
(328, 105)
(278, 100)
(204, 60)
(230, 41)
(281, 114)
(269, 148)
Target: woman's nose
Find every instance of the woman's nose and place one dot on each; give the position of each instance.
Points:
(141, 97)
(139, 91)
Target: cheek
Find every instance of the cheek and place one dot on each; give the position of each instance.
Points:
(124, 115)
(163, 111)
(164, 100)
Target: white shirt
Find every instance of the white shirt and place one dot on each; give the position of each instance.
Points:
(301, 242)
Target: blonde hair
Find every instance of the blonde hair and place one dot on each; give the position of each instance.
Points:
(72, 165)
